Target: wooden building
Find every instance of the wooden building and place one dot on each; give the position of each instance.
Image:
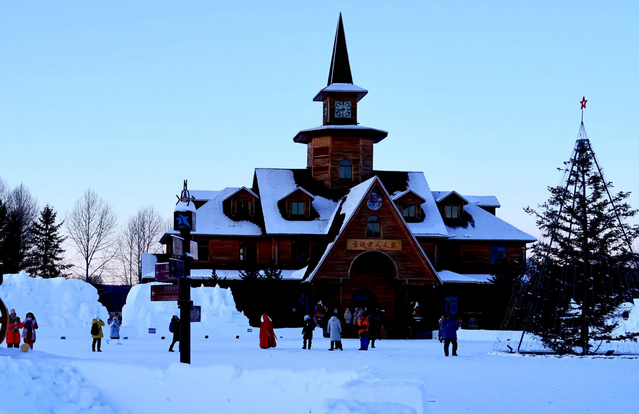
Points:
(349, 235)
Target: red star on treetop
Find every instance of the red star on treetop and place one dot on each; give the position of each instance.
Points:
(583, 103)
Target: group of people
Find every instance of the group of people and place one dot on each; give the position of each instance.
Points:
(28, 333)
(97, 334)
(368, 328)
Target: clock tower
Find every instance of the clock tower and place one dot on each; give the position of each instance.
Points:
(340, 151)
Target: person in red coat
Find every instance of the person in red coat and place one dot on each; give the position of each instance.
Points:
(13, 335)
(267, 335)
(29, 329)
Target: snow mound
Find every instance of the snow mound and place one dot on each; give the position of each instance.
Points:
(28, 386)
(56, 303)
(219, 315)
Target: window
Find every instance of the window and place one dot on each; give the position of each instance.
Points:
(248, 252)
(241, 209)
(373, 227)
(498, 254)
(299, 251)
(410, 211)
(298, 208)
(345, 170)
(452, 212)
(451, 305)
(203, 251)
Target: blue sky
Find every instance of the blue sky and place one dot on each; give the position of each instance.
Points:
(131, 98)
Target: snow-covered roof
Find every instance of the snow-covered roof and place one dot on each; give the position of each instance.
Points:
(274, 184)
(397, 196)
(212, 220)
(441, 195)
(306, 135)
(485, 226)
(240, 189)
(202, 195)
(433, 224)
(300, 189)
(447, 276)
(340, 87)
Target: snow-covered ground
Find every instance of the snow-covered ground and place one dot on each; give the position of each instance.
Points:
(231, 375)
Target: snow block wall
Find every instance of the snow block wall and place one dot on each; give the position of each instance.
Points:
(219, 314)
(56, 303)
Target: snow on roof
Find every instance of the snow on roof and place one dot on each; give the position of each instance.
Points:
(486, 226)
(240, 189)
(353, 199)
(433, 224)
(397, 196)
(275, 184)
(340, 87)
(229, 274)
(212, 220)
(201, 195)
(447, 276)
(483, 201)
(440, 195)
(302, 190)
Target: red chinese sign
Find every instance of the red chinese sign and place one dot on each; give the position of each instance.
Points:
(368, 244)
(165, 292)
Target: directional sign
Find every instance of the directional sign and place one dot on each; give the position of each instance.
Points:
(193, 250)
(165, 293)
(196, 314)
(177, 245)
(162, 272)
(176, 268)
(184, 220)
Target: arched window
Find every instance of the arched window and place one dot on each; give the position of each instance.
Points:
(373, 227)
(345, 170)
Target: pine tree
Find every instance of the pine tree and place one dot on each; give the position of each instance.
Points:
(584, 257)
(46, 254)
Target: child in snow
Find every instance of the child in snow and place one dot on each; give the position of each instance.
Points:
(96, 334)
(335, 331)
(13, 334)
(29, 330)
(307, 331)
(114, 331)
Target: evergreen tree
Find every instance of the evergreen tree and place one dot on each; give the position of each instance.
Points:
(584, 258)
(46, 254)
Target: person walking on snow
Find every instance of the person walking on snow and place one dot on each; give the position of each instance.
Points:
(13, 333)
(267, 335)
(114, 330)
(96, 334)
(362, 330)
(335, 330)
(348, 317)
(29, 330)
(174, 326)
(449, 332)
(307, 331)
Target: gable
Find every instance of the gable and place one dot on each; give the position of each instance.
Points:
(394, 238)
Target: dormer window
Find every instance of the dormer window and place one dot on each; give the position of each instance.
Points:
(411, 211)
(241, 208)
(452, 212)
(373, 227)
(298, 209)
(345, 170)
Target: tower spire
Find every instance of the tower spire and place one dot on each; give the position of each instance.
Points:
(340, 70)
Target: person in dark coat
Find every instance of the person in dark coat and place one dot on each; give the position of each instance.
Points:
(13, 333)
(335, 333)
(97, 338)
(174, 327)
(373, 328)
(449, 332)
(307, 331)
(267, 335)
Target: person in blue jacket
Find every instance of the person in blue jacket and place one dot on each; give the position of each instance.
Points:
(114, 331)
(449, 332)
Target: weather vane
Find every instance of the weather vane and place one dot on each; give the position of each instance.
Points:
(185, 196)
(583, 106)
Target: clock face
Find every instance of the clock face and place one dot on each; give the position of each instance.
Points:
(343, 109)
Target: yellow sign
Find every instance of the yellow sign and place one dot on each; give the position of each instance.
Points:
(368, 244)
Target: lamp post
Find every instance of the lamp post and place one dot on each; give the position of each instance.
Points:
(184, 221)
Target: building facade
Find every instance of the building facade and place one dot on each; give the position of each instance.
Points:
(351, 236)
